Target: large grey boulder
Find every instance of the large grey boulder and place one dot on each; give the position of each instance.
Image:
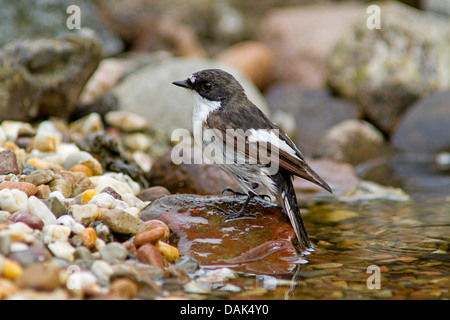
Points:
(150, 93)
(44, 77)
(24, 20)
(386, 70)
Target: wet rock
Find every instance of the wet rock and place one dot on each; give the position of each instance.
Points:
(153, 193)
(8, 162)
(313, 111)
(384, 70)
(351, 141)
(424, 127)
(253, 58)
(148, 92)
(201, 233)
(122, 222)
(31, 65)
(29, 188)
(23, 20)
(301, 56)
(193, 178)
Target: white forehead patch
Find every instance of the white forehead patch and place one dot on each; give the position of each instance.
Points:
(192, 78)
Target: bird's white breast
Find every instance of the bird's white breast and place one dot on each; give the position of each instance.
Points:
(202, 108)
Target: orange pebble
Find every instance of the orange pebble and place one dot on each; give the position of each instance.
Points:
(82, 168)
(89, 237)
(87, 195)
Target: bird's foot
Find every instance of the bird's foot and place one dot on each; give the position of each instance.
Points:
(235, 193)
(236, 215)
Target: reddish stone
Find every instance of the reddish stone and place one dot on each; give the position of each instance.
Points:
(29, 188)
(149, 254)
(8, 162)
(261, 245)
(27, 218)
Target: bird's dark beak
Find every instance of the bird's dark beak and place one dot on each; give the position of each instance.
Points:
(183, 84)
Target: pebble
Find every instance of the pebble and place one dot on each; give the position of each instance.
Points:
(153, 193)
(122, 222)
(75, 158)
(111, 192)
(150, 255)
(101, 182)
(149, 235)
(168, 251)
(41, 276)
(78, 180)
(134, 201)
(137, 141)
(126, 121)
(102, 270)
(87, 195)
(93, 165)
(40, 210)
(61, 185)
(40, 176)
(159, 224)
(85, 213)
(44, 165)
(13, 200)
(123, 288)
(82, 168)
(89, 237)
(46, 141)
(103, 232)
(133, 211)
(30, 220)
(55, 232)
(29, 188)
(103, 200)
(62, 249)
(351, 244)
(8, 162)
(7, 288)
(70, 222)
(10, 269)
(114, 253)
(43, 191)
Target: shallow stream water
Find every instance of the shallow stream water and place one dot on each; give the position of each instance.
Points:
(375, 250)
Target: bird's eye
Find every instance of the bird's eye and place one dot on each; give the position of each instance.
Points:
(207, 86)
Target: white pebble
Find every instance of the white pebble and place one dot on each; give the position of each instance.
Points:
(57, 194)
(122, 205)
(99, 243)
(85, 213)
(70, 222)
(18, 246)
(4, 215)
(134, 201)
(103, 200)
(102, 270)
(37, 208)
(13, 200)
(62, 249)
(101, 182)
(54, 232)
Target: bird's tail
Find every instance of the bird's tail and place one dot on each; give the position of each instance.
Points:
(288, 201)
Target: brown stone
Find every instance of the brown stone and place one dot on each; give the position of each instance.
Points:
(30, 220)
(149, 235)
(8, 162)
(29, 188)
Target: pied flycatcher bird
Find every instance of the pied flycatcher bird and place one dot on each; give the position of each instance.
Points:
(257, 146)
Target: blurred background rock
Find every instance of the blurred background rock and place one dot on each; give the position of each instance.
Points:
(332, 83)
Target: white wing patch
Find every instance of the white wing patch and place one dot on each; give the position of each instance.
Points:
(192, 78)
(269, 136)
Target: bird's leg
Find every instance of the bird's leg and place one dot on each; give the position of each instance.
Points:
(234, 215)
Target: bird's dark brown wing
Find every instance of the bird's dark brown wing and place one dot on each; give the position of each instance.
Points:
(262, 142)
